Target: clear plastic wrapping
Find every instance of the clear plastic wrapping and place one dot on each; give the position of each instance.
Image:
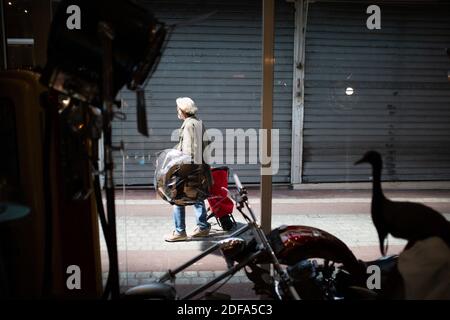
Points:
(178, 180)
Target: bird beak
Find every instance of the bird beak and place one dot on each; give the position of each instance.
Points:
(360, 161)
(383, 248)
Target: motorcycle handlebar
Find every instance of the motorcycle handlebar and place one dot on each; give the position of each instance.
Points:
(237, 181)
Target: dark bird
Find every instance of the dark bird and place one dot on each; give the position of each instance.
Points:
(406, 220)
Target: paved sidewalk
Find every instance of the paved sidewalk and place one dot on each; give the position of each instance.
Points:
(143, 220)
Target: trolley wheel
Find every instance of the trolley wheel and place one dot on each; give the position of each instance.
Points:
(227, 222)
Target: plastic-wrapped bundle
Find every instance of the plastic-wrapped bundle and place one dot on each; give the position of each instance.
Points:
(179, 181)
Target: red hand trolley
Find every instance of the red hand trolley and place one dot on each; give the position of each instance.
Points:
(220, 205)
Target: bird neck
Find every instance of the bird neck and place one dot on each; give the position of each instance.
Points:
(377, 192)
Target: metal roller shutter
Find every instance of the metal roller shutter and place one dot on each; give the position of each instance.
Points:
(401, 100)
(217, 62)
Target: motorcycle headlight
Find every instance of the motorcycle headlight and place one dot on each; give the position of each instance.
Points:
(230, 247)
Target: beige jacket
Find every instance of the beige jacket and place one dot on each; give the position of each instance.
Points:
(192, 139)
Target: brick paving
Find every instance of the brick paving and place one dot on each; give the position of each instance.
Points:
(142, 222)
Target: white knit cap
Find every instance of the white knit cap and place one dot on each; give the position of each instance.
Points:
(187, 105)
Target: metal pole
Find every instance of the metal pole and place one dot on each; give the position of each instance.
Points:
(298, 95)
(107, 36)
(3, 45)
(266, 112)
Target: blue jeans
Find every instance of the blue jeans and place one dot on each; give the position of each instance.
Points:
(179, 216)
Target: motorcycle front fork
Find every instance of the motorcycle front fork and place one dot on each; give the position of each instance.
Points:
(285, 280)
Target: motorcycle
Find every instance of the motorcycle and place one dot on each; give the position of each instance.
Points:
(307, 263)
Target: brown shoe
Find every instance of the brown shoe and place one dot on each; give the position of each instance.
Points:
(200, 232)
(176, 236)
